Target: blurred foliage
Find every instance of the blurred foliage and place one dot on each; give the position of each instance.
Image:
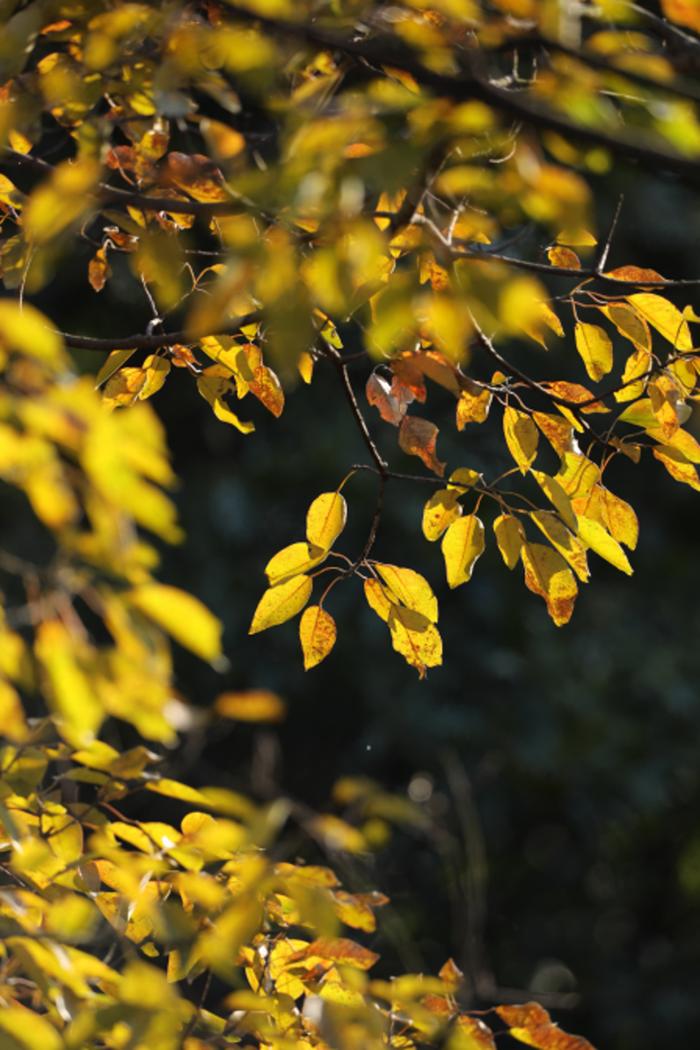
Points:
(275, 197)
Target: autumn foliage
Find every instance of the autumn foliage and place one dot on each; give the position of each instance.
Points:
(292, 188)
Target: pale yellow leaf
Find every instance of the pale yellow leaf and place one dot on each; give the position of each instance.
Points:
(521, 437)
(180, 614)
(462, 545)
(411, 589)
(441, 510)
(664, 317)
(293, 560)
(596, 536)
(594, 345)
(325, 519)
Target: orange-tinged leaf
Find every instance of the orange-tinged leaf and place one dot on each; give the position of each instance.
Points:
(565, 258)
(677, 466)
(124, 387)
(418, 437)
(462, 546)
(596, 536)
(563, 540)
(578, 237)
(410, 588)
(578, 395)
(317, 633)
(510, 537)
(521, 437)
(635, 274)
(416, 638)
(547, 574)
(293, 560)
(379, 392)
(182, 615)
(577, 475)
(251, 705)
(594, 345)
(325, 520)
(664, 317)
(684, 12)
(98, 270)
(441, 510)
(473, 404)
(280, 603)
(342, 950)
(558, 431)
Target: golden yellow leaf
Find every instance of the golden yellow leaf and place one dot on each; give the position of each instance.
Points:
(60, 200)
(547, 574)
(510, 537)
(180, 614)
(563, 540)
(521, 437)
(124, 387)
(416, 638)
(98, 270)
(473, 405)
(12, 723)
(293, 560)
(564, 257)
(251, 705)
(577, 475)
(629, 323)
(594, 345)
(28, 1030)
(613, 513)
(558, 431)
(214, 384)
(462, 479)
(462, 546)
(325, 519)
(410, 588)
(342, 950)
(664, 317)
(157, 370)
(684, 12)
(317, 633)
(578, 237)
(637, 366)
(596, 536)
(280, 603)
(441, 510)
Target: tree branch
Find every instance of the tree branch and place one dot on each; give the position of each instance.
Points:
(154, 341)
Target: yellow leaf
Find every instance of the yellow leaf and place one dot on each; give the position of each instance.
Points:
(462, 545)
(637, 366)
(594, 345)
(182, 615)
(547, 574)
(252, 705)
(293, 560)
(317, 633)
(416, 638)
(678, 466)
(462, 479)
(325, 519)
(684, 12)
(578, 237)
(630, 324)
(28, 1030)
(337, 834)
(563, 540)
(557, 496)
(558, 431)
(612, 513)
(595, 536)
(61, 199)
(24, 329)
(473, 405)
(509, 537)
(124, 387)
(280, 603)
(441, 510)
(12, 723)
(521, 437)
(664, 317)
(411, 589)
(564, 257)
(378, 599)
(157, 370)
(72, 694)
(577, 475)
(114, 362)
(214, 384)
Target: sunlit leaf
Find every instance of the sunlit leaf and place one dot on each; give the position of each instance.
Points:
(462, 546)
(281, 602)
(325, 520)
(418, 437)
(411, 589)
(317, 632)
(440, 511)
(521, 437)
(181, 615)
(547, 574)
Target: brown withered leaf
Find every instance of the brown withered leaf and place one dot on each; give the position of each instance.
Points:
(418, 437)
(391, 406)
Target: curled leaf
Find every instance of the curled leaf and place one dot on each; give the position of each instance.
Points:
(418, 437)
